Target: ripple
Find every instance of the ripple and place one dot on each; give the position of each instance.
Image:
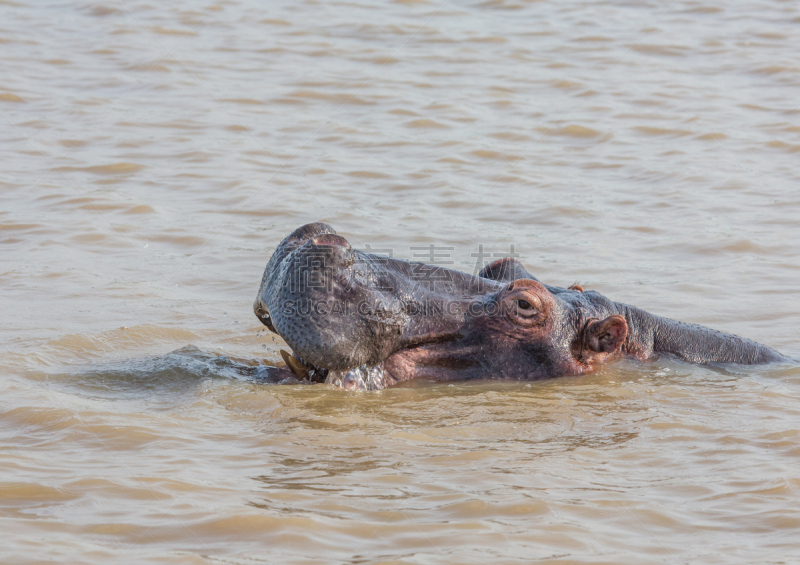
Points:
(337, 97)
(10, 97)
(663, 50)
(665, 132)
(424, 123)
(111, 169)
(573, 130)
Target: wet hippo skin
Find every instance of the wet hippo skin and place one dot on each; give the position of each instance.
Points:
(365, 321)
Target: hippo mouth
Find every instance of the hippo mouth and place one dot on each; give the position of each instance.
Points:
(361, 378)
(395, 368)
(422, 362)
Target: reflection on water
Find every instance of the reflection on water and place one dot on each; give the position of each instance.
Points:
(153, 156)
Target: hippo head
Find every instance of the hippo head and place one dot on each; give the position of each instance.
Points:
(365, 321)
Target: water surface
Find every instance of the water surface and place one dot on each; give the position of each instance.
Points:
(154, 154)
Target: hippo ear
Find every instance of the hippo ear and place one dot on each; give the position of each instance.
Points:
(606, 336)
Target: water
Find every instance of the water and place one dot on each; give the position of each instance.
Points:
(153, 156)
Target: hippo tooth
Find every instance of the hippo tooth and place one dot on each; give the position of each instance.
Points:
(296, 367)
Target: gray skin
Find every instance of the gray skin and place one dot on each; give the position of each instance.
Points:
(363, 321)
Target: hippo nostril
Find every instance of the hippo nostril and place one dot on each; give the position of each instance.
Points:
(330, 239)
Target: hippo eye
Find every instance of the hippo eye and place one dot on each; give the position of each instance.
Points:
(524, 303)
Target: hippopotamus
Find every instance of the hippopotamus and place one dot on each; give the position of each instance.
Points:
(365, 322)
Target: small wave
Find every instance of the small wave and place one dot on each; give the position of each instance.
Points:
(425, 124)
(573, 130)
(162, 378)
(112, 169)
(10, 97)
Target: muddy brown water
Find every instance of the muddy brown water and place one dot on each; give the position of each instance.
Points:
(153, 155)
